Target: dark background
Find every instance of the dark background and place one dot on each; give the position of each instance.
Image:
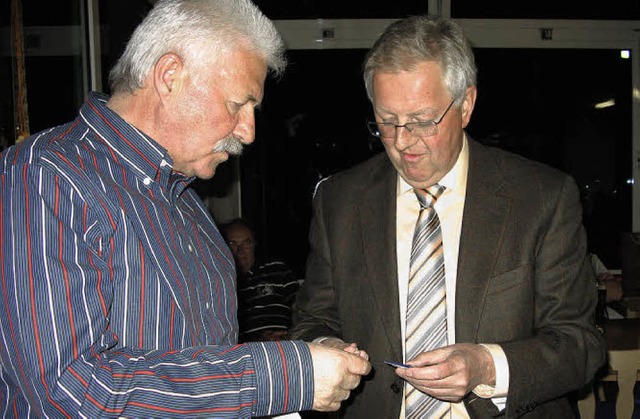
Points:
(535, 102)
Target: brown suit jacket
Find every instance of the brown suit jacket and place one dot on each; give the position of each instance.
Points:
(523, 281)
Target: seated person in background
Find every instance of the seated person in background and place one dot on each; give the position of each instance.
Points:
(266, 288)
(612, 283)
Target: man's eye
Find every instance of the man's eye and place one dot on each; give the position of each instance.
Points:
(235, 107)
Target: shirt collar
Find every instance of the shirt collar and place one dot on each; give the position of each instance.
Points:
(454, 180)
(130, 147)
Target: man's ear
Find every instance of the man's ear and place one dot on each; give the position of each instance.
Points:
(168, 74)
(468, 103)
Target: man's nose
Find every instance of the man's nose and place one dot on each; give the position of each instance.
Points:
(246, 128)
(404, 139)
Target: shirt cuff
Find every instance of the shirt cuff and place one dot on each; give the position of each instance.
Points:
(502, 375)
(284, 377)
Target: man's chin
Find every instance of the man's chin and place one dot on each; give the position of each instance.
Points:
(219, 158)
(208, 173)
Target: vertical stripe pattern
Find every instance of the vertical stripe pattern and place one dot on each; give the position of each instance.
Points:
(426, 302)
(117, 291)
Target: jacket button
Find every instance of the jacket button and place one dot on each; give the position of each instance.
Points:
(396, 388)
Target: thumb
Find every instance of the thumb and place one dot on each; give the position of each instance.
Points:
(358, 365)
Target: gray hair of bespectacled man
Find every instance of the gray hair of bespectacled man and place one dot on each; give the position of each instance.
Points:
(408, 42)
(196, 30)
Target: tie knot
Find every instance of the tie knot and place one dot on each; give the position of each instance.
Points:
(428, 197)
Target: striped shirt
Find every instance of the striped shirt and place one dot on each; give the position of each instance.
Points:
(265, 296)
(118, 292)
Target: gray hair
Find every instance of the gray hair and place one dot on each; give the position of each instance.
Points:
(195, 30)
(406, 43)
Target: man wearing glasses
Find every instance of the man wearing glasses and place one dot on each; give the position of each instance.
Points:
(463, 264)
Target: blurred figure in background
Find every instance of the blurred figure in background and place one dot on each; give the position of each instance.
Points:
(606, 279)
(266, 287)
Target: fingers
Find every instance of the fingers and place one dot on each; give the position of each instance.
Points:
(351, 348)
(433, 357)
(362, 354)
(359, 366)
(336, 373)
(451, 372)
(335, 343)
(432, 372)
(436, 381)
(446, 394)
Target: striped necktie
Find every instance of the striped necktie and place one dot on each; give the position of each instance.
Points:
(426, 301)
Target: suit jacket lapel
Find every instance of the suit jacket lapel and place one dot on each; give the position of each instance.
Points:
(378, 225)
(485, 214)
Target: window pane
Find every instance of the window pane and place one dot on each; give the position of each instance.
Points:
(311, 124)
(541, 103)
(118, 20)
(339, 9)
(52, 104)
(52, 64)
(7, 134)
(546, 9)
(50, 13)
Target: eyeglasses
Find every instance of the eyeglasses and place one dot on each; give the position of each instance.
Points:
(240, 244)
(418, 129)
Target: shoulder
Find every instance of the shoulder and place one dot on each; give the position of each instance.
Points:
(272, 265)
(272, 271)
(56, 155)
(371, 168)
(40, 149)
(493, 164)
(366, 174)
(531, 188)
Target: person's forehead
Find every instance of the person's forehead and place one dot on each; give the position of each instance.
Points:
(245, 71)
(418, 91)
(431, 70)
(239, 230)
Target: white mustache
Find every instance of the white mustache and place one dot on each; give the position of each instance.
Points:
(230, 145)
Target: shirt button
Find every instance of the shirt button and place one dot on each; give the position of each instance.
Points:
(164, 163)
(190, 246)
(147, 181)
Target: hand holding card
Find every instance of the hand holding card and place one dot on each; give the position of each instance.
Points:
(397, 364)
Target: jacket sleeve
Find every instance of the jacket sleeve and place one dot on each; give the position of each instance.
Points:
(565, 349)
(315, 312)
